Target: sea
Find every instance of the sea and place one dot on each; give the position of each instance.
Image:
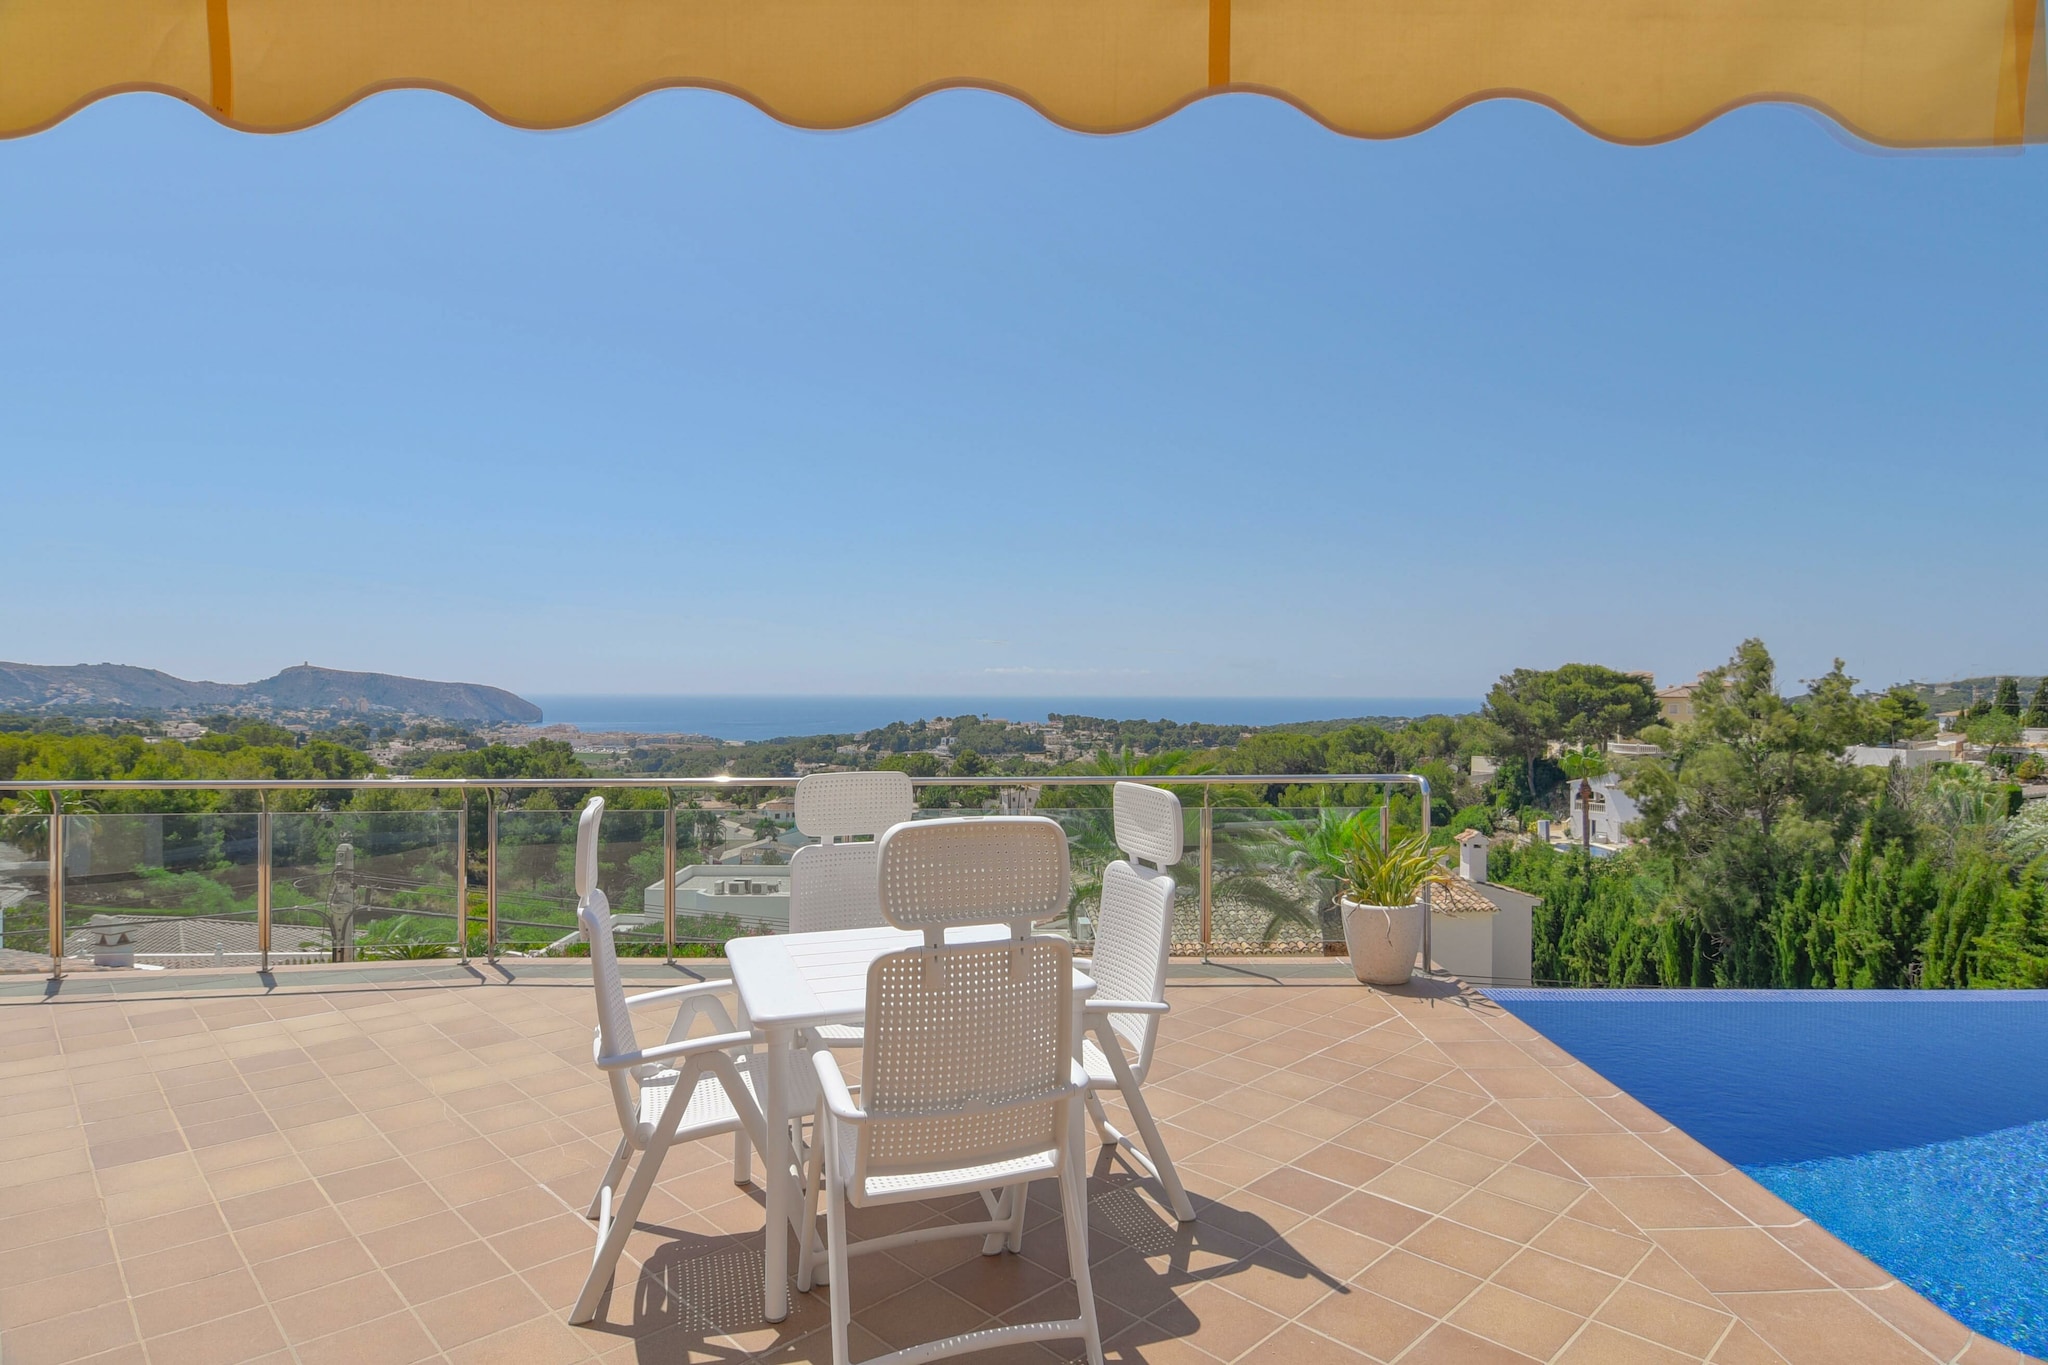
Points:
(757, 717)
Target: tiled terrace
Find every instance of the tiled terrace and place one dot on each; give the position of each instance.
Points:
(389, 1165)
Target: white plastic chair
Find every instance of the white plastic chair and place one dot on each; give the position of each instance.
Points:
(833, 806)
(1133, 934)
(832, 884)
(679, 1090)
(968, 1078)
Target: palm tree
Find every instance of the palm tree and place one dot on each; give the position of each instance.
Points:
(1287, 869)
(26, 824)
(1582, 766)
(1084, 813)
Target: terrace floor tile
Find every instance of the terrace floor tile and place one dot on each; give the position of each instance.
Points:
(388, 1163)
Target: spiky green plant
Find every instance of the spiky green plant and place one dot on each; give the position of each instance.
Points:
(1394, 875)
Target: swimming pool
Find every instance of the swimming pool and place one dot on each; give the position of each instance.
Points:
(1911, 1124)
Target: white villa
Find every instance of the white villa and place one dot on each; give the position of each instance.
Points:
(1481, 931)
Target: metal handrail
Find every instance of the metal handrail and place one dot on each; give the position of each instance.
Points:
(490, 786)
(707, 783)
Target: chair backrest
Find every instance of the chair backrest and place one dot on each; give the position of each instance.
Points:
(1133, 933)
(966, 1054)
(848, 805)
(992, 869)
(832, 886)
(594, 916)
(1148, 823)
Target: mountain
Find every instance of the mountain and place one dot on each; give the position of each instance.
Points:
(118, 687)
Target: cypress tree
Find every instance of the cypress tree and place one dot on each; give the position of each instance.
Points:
(2008, 699)
(2037, 710)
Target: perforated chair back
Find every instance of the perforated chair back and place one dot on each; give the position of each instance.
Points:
(1133, 933)
(968, 1052)
(832, 886)
(615, 1035)
(996, 869)
(1148, 823)
(851, 805)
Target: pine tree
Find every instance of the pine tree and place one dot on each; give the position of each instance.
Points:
(2008, 698)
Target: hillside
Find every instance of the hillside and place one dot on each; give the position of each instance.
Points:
(1954, 696)
(121, 688)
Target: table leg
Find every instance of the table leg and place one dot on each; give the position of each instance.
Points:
(777, 1158)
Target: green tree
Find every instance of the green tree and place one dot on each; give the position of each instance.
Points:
(1749, 796)
(1993, 728)
(2008, 697)
(1885, 904)
(1578, 704)
(1899, 715)
(541, 758)
(2013, 949)
(2037, 709)
(1838, 716)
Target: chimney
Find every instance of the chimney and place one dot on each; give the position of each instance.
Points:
(1472, 856)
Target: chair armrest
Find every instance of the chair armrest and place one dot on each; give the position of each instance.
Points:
(1084, 964)
(667, 993)
(832, 1092)
(1127, 1007)
(715, 1042)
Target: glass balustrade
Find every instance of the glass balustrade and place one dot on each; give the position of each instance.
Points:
(24, 892)
(364, 886)
(374, 877)
(161, 890)
(537, 879)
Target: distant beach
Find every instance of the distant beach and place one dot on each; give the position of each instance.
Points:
(773, 717)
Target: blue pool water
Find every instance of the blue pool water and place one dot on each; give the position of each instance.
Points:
(1911, 1124)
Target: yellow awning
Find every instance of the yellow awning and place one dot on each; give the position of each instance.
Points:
(1901, 73)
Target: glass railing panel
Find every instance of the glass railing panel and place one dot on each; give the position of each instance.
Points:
(537, 884)
(1268, 892)
(161, 891)
(24, 893)
(732, 871)
(364, 886)
(1084, 813)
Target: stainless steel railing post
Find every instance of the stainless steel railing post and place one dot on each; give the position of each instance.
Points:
(491, 873)
(462, 878)
(1208, 868)
(56, 844)
(263, 882)
(1428, 901)
(668, 880)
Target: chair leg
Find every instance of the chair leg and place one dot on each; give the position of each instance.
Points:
(995, 1201)
(1020, 1200)
(841, 1289)
(624, 1214)
(742, 1158)
(814, 1173)
(1074, 1210)
(1155, 1148)
(1103, 1128)
(611, 1177)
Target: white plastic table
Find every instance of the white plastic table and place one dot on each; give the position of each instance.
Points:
(791, 982)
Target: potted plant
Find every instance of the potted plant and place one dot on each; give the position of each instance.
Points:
(1380, 898)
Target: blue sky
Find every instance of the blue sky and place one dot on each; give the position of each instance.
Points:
(687, 401)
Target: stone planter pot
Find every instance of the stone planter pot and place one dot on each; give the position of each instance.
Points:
(1383, 940)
